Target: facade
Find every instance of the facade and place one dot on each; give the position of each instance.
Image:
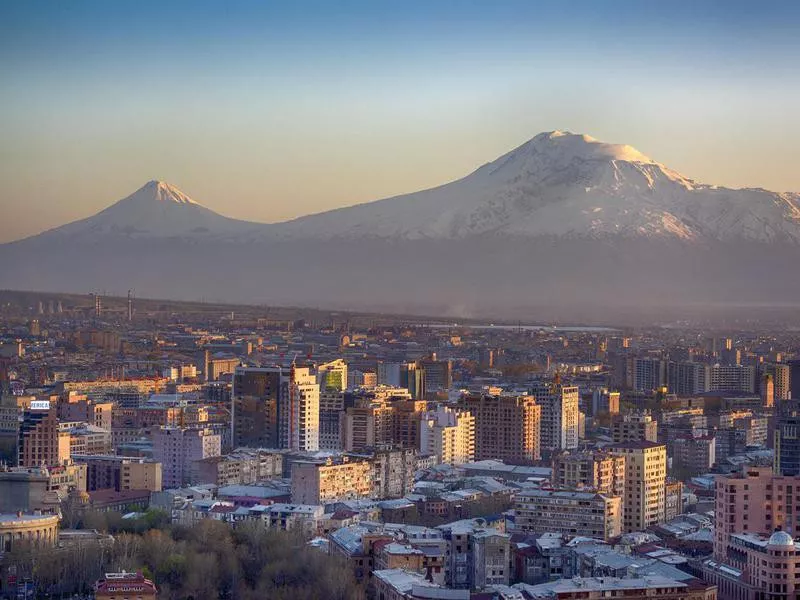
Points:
(77, 408)
(602, 472)
(688, 378)
(275, 407)
(571, 513)
(787, 439)
(732, 379)
(381, 418)
(438, 374)
(780, 374)
(298, 415)
(331, 419)
(649, 374)
(475, 554)
(178, 449)
(41, 442)
(605, 402)
(559, 429)
(693, 454)
(644, 503)
(244, 466)
(120, 473)
(254, 407)
(125, 586)
(26, 528)
(332, 375)
(634, 427)
(754, 501)
(319, 483)
(757, 567)
(506, 426)
(652, 587)
(448, 434)
(393, 472)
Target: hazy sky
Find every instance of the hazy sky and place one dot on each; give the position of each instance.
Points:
(270, 110)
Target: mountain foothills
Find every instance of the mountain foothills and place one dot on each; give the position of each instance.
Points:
(563, 221)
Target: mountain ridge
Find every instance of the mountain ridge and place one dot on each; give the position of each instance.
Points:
(562, 220)
(557, 183)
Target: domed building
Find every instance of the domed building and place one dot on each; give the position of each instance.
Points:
(758, 567)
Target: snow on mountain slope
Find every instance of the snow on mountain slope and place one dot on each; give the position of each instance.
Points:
(565, 184)
(157, 209)
(556, 184)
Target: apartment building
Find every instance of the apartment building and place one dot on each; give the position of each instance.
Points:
(321, 482)
(597, 470)
(507, 426)
(571, 513)
(644, 502)
(448, 434)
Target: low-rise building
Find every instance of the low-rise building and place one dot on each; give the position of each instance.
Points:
(118, 586)
(320, 482)
(571, 513)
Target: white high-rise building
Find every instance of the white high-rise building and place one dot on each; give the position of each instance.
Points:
(298, 414)
(449, 434)
(560, 424)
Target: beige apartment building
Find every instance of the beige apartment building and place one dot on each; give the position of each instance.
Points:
(570, 513)
(634, 427)
(317, 483)
(644, 502)
(598, 470)
(507, 426)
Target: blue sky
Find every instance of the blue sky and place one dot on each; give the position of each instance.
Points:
(267, 111)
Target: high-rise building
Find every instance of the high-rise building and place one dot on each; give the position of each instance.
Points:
(780, 377)
(275, 407)
(633, 427)
(688, 378)
(507, 426)
(448, 434)
(560, 415)
(766, 391)
(596, 470)
(754, 500)
(298, 412)
(605, 402)
(375, 420)
(332, 375)
(41, 443)
(438, 374)
(787, 440)
(179, 448)
(412, 377)
(794, 378)
(644, 503)
(649, 374)
(254, 407)
(331, 419)
(734, 379)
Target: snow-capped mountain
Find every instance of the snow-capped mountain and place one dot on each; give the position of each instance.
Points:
(563, 221)
(157, 209)
(566, 184)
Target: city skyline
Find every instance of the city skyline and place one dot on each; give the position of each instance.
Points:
(271, 112)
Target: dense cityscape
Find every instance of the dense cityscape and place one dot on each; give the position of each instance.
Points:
(161, 447)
